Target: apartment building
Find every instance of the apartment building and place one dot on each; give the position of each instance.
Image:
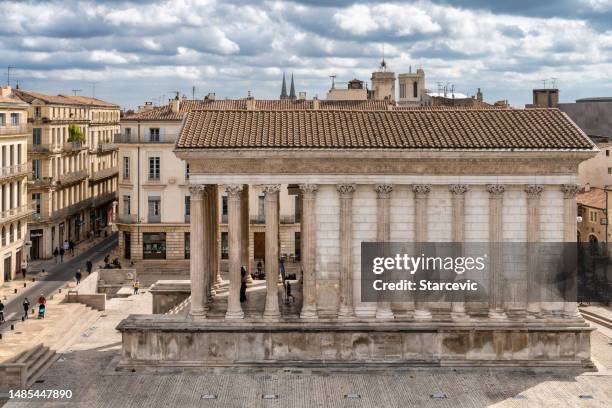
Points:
(73, 182)
(13, 182)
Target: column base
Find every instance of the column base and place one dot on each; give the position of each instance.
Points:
(422, 314)
(460, 316)
(345, 312)
(497, 314)
(309, 313)
(234, 315)
(198, 315)
(571, 311)
(272, 316)
(385, 313)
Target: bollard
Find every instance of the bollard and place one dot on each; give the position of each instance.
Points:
(33, 279)
(13, 326)
(25, 284)
(22, 318)
(0, 336)
(60, 290)
(15, 290)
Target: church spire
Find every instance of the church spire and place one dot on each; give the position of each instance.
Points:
(292, 95)
(283, 94)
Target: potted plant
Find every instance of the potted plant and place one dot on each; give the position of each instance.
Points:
(75, 134)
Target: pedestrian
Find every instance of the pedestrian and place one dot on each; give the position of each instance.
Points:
(78, 276)
(55, 254)
(106, 260)
(24, 268)
(136, 287)
(1, 311)
(71, 247)
(89, 266)
(26, 307)
(66, 245)
(61, 254)
(243, 284)
(42, 306)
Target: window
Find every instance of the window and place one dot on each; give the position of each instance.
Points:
(187, 208)
(12, 233)
(224, 246)
(18, 229)
(415, 89)
(127, 201)
(154, 135)
(14, 119)
(592, 216)
(186, 171)
(36, 169)
(3, 236)
(36, 200)
(36, 136)
(154, 245)
(261, 215)
(609, 170)
(607, 152)
(128, 134)
(37, 112)
(19, 153)
(154, 209)
(187, 245)
(126, 168)
(224, 208)
(2, 119)
(154, 163)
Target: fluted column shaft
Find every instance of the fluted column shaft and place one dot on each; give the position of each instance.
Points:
(458, 236)
(570, 309)
(421, 194)
(234, 310)
(534, 192)
(496, 196)
(210, 241)
(271, 208)
(345, 308)
(197, 256)
(383, 234)
(245, 225)
(308, 236)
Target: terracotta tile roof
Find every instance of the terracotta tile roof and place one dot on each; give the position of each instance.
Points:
(413, 129)
(187, 105)
(12, 101)
(29, 96)
(595, 197)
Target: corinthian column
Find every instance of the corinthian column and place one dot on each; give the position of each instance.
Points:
(570, 309)
(234, 310)
(197, 259)
(421, 192)
(271, 208)
(458, 236)
(383, 234)
(496, 289)
(346, 191)
(534, 288)
(245, 234)
(309, 228)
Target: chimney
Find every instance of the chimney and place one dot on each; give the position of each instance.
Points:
(6, 90)
(587, 187)
(250, 104)
(316, 103)
(302, 95)
(210, 96)
(175, 105)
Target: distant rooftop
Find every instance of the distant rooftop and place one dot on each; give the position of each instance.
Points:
(596, 99)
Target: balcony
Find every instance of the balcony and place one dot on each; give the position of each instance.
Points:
(104, 174)
(103, 198)
(15, 171)
(40, 182)
(154, 219)
(105, 148)
(66, 211)
(43, 149)
(72, 178)
(73, 147)
(162, 139)
(14, 214)
(10, 130)
(127, 218)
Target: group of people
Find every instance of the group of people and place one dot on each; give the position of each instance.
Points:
(42, 306)
(67, 246)
(115, 264)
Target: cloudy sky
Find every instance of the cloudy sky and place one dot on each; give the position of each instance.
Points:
(132, 51)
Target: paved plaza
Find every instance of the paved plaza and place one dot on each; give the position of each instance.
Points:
(87, 369)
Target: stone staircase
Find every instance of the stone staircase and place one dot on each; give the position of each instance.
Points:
(35, 344)
(597, 317)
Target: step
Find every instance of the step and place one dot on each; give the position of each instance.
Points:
(36, 362)
(597, 315)
(28, 354)
(48, 360)
(85, 322)
(595, 318)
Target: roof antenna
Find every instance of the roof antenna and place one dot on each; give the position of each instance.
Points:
(193, 92)
(554, 82)
(544, 82)
(383, 64)
(93, 89)
(8, 74)
(74, 91)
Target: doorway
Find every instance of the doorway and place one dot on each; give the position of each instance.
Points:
(127, 245)
(259, 245)
(7, 269)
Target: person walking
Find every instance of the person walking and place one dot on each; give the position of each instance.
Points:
(89, 266)
(71, 247)
(55, 254)
(243, 284)
(1, 312)
(26, 307)
(78, 276)
(24, 268)
(136, 287)
(62, 251)
(42, 306)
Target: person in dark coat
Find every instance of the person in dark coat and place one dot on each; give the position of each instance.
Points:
(62, 251)
(55, 254)
(78, 276)
(26, 307)
(88, 266)
(243, 284)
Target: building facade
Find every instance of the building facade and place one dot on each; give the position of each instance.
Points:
(593, 220)
(14, 169)
(73, 181)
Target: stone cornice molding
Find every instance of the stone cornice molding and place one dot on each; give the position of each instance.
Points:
(346, 190)
(309, 191)
(496, 190)
(383, 191)
(233, 190)
(570, 190)
(458, 189)
(421, 190)
(534, 191)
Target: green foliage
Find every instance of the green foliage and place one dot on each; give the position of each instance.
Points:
(75, 134)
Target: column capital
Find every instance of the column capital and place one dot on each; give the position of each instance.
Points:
(309, 190)
(346, 190)
(569, 190)
(269, 189)
(458, 189)
(233, 190)
(534, 190)
(197, 191)
(421, 190)
(496, 190)
(383, 190)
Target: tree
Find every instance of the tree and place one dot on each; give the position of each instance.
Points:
(75, 134)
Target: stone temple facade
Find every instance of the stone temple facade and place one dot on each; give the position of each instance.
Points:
(422, 175)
